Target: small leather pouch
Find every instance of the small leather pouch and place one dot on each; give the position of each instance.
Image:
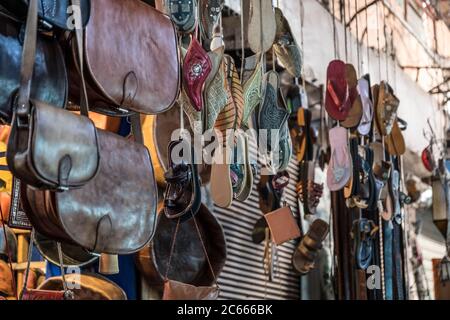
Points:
(282, 225)
(29, 294)
(174, 290)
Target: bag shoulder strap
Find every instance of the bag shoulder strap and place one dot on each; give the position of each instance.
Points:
(28, 58)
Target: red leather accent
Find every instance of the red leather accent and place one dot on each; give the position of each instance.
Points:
(196, 68)
(426, 159)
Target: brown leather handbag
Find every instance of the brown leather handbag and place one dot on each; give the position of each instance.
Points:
(114, 213)
(132, 59)
(175, 290)
(48, 147)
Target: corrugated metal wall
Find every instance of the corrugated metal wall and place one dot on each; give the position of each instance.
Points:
(243, 276)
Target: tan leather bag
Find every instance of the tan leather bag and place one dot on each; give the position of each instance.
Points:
(175, 290)
(132, 59)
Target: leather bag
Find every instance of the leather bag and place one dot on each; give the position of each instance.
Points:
(49, 83)
(48, 147)
(188, 262)
(132, 59)
(53, 12)
(117, 208)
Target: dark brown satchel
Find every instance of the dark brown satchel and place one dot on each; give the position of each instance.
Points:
(185, 252)
(132, 59)
(48, 147)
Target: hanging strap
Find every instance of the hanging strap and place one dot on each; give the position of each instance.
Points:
(27, 270)
(172, 249)
(345, 34)
(386, 44)
(28, 61)
(261, 42)
(334, 30)
(204, 248)
(378, 41)
(358, 56)
(84, 106)
(367, 31)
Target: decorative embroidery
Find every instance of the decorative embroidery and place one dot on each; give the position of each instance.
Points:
(196, 71)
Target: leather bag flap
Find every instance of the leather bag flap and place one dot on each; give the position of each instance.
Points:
(115, 212)
(132, 55)
(63, 146)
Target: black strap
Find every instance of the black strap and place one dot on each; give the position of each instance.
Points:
(28, 59)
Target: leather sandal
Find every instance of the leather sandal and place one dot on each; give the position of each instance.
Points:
(221, 184)
(337, 102)
(184, 14)
(366, 97)
(182, 197)
(252, 88)
(261, 26)
(340, 167)
(386, 109)
(210, 12)
(395, 142)
(274, 115)
(215, 94)
(363, 231)
(304, 256)
(355, 114)
(270, 190)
